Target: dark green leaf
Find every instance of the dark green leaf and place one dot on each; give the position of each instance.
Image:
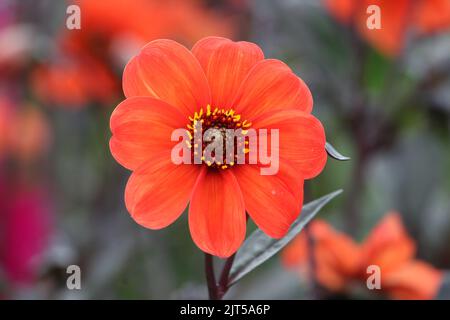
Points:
(258, 247)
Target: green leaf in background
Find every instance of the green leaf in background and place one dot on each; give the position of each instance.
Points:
(332, 152)
(258, 247)
(377, 70)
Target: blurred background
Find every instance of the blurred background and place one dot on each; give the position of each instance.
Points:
(383, 98)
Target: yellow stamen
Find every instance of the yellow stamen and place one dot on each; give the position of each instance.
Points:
(222, 119)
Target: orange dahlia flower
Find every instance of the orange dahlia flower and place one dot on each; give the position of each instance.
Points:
(398, 18)
(341, 263)
(222, 84)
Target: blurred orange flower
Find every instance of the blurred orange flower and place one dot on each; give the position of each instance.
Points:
(398, 19)
(72, 83)
(340, 262)
(144, 20)
(5, 116)
(111, 32)
(24, 132)
(226, 85)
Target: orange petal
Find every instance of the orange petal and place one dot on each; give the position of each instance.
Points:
(154, 195)
(272, 201)
(217, 213)
(388, 245)
(141, 128)
(301, 139)
(432, 15)
(415, 280)
(166, 70)
(271, 86)
(226, 64)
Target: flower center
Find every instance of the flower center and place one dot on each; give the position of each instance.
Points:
(224, 129)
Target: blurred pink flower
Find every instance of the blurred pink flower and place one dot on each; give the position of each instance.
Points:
(16, 42)
(24, 231)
